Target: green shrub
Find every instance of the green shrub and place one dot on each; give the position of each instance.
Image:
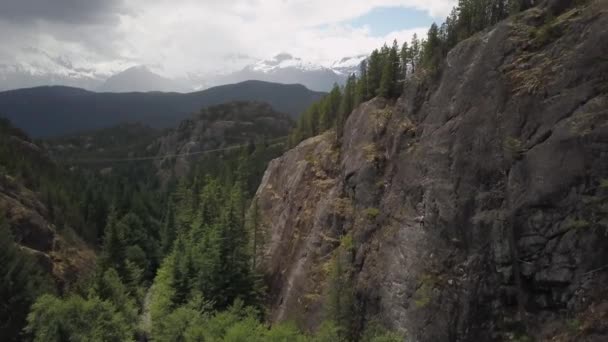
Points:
(77, 319)
(576, 223)
(547, 32)
(371, 213)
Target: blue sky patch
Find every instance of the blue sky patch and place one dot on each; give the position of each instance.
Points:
(383, 20)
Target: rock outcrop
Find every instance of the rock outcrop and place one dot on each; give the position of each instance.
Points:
(223, 126)
(477, 203)
(60, 253)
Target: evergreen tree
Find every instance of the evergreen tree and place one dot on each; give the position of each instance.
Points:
(395, 60)
(233, 251)
(333, 104)
(114, 244)
(314, 119)
(347, 104)
(183, 272)
(362, 92)
(341, 307)
(109, 287)
(414, 54)
(167, 234)
(255, 231)
(211, 196)
(404, 56)
(386, 81)
(451, 30)
(432, 54)
(389, 85)
(374, 72)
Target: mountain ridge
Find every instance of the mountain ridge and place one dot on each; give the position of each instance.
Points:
(56, 110)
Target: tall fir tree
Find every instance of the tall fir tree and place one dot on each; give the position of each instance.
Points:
(168, 233)
(347, 104)
(414, 52)
(432, 53)
(362, 91)
(388, 84)
(404, 56)
(114, 244)
(331, 105)
(374, 72)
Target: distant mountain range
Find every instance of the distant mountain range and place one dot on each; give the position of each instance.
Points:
(57, 110)
(282, 68)
(285, 68)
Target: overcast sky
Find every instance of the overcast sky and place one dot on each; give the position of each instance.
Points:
(176, 37)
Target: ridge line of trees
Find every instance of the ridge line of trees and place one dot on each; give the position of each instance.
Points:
(386, 71)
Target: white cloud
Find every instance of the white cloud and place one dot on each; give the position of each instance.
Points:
(181, 36)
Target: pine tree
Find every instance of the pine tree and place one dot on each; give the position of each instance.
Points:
(362, 92)
(374, 72)
(314, 119)
(167, 234)
(347, 104)
(234, 260)
(255, 231)
(414, 52)
(211, 200)
(183, 272)
(451, 29)
(388, 84)
(404, 56)
(109, 287)
(324, 115)
(183, 197)
(396, 81)
(333, 103)
(431, 55)
(386, 81)
(341, 307)
(113, 250)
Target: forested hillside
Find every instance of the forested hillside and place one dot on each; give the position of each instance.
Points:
(120, 141)
(55, 111)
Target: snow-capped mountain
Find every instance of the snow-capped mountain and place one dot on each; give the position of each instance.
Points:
(285, 68)
(283, 61)
(348, 65)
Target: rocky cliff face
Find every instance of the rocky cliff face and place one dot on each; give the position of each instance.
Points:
(477, 203)
(61, 254)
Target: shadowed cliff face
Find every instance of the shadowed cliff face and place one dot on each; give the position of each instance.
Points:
(477, 202)
(60, 253)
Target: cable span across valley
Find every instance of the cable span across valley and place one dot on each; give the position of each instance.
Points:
(118, 160)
